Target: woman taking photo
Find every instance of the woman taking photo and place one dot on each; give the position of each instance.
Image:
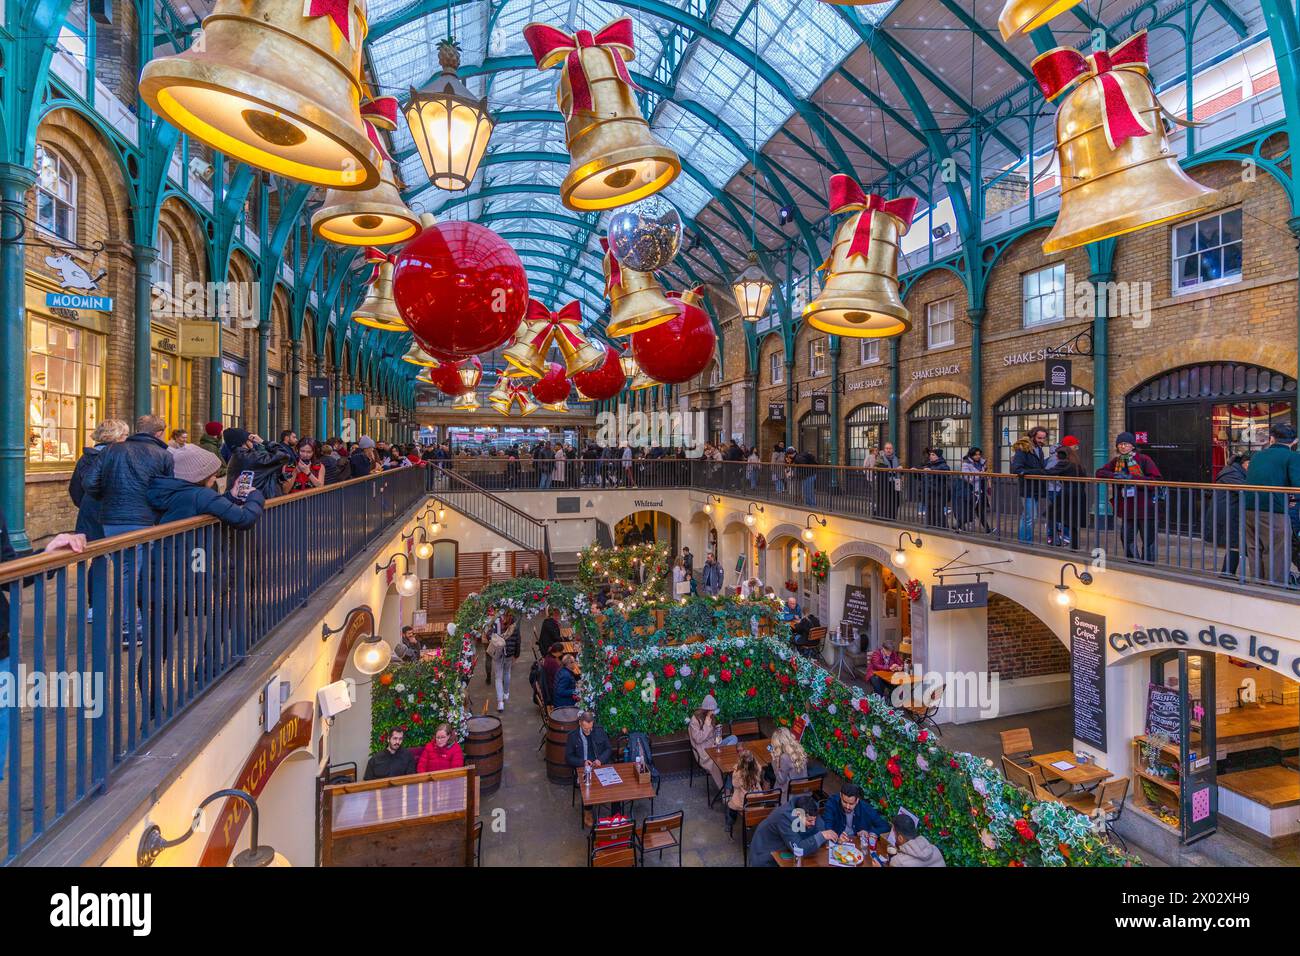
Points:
(308, 471)
(702, 728)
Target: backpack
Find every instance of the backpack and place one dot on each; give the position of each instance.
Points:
(541, 686)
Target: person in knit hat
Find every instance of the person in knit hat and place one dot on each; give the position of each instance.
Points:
(190, 492)
(1134, 504)
(211, 440)
(195, 465)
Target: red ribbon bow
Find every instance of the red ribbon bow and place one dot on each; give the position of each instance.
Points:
(847, 196)
(615, 273)
(376, 257)
(380, 113)
(549, 45)
(1059, 71)
(564, 323)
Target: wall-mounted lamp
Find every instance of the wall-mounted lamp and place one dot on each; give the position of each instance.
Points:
(369, 656)
(408, 584)
(439, 512)
(808, 525)
(1064, 595)
(152, 842)
(424, 549)
(708, 504)
(900, 556)
(750, 519)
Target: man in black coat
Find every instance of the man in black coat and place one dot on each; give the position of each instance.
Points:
(550, 633)
(1030, 458)
(264, 459)
(588, 745)
(392, 761)
(119, 477)
(790, 825)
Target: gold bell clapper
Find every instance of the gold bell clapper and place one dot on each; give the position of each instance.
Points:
(467, 403)
(1019, 17)
(379, 311)
(369, 217)
(636, 300)
(418, 356)
(1118, 171)
(540, 329)
(860, 296)
(275, 84)
(614, 157)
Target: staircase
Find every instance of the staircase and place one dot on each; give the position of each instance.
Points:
(564, 566)
(462, 495)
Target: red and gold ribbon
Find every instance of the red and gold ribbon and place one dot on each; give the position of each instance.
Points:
(563, 324)
(1061, 70)
(339, 11)
(380, 113)
(376, 258)
(615, 273)
(550, 45)
(847, 196)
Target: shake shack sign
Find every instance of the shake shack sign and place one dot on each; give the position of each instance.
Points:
(954, 597)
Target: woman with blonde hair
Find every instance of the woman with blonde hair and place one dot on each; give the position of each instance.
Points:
(108, 432)
(789, 761)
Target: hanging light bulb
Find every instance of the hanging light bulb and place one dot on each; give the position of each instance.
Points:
(450, 126)
(424, 550)
(372, 655)
(408, 585)
(752, 289)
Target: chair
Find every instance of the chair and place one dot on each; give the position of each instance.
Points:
(811, 785)
(622, 853)
(1039, 790)
(746, 728)
(1108, 799)
(1017, 775)
(924, 712)
(1018, 745)
(811, 646)
(661, 833)
(758, 805)
(478, 842)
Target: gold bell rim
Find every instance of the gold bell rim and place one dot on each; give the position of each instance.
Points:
(640, 323)
(831, 321)
(522, 367)
(163, 74)
(1065, 236)
(384, 325)
(395, 226)
(571, 190)
(1022, 16)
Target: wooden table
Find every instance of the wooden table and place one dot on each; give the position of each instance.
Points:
(1079, 775)
(625, 791)
(897, 677)
(728, 755)
(560, 648)
(785, 859)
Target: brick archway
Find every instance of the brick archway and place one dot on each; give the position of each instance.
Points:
(920, 612)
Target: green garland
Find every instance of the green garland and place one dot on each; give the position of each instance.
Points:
(964, 806)
(418, 696)
(524, 597)
(621, 568)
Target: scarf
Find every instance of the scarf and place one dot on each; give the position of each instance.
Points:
(1128, 465)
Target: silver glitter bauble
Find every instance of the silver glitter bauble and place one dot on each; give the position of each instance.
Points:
(646, 235)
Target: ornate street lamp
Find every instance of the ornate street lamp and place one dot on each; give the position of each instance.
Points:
(450, 127)
(752, 288)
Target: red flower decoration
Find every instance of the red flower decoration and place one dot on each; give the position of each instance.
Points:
(725, 675)
(670, 670)
(752, 692)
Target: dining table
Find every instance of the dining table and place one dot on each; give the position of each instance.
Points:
(726, 756)
(820, 857)
(1081, 775)
(629, 788)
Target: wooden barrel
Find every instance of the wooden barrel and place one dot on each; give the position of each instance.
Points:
(560, 722)
(485, 749)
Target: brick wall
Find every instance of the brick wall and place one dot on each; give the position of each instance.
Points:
(1020, 645)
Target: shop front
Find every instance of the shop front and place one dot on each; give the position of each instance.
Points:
(169, 381)
(865, 428)
(814, 431)
(942, 422)
(234, 379)
(1193, 420)
(274, 401)
(1063, 412)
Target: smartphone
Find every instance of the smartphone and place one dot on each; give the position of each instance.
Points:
(243, 485)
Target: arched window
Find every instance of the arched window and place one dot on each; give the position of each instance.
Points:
(164, 265)
(56, 194)
(1061, 411)
(942, 422)
(444, 559)
(866, 430)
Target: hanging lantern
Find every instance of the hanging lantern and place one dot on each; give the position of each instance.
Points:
(470, 373)
(681, 348)
(631, 370)
(614, 158)
(1118, 171)
(467, 402)
(379, 311)
(752, 288)
(274, 84)
(636, 300)
(553, 387)
(418, 356)
(860, 297)
(603, 381)
(460, 288)
(450, 126)
(542, 328)
(1022, 16)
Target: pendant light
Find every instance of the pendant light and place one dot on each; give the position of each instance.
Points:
(752, 288)
(450, 126)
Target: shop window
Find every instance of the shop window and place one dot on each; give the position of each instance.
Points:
(1044, 295)
(715, 375)
(65, 390)
(163, 266)
(56, 194)
(232, 400)
(1207, 252)
(169, 378)
(866, 430)
(869, 351)
(940, 326)
(942, 422)
(1061, 411)
(776, 367)
(817, 357)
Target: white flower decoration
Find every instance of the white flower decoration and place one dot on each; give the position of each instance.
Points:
(830, 709)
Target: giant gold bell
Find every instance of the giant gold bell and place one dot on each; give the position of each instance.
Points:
(614, 158)
(373, 217)
(418, 356)
(860, 297)
(578, 353)
(467, 402)
(274, 88)
(1108, 192)
(379, 311)
(499, 397)
(636, 301)
(1022, 16)
(527, 353)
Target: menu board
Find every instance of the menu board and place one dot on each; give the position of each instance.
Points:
(857, 606)
(1088, 677)
(1164, 712)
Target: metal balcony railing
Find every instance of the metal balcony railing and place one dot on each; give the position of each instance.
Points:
(124, 637)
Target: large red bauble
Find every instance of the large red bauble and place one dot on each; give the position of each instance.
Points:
(552, 387)
(603, 381)
(460, 288)
(677, 350)
(446, 377)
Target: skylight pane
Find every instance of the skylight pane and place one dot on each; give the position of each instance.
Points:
(724, 85)
(701, 146)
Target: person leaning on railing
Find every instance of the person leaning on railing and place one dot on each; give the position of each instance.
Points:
(1134, 506)
(1268, 525)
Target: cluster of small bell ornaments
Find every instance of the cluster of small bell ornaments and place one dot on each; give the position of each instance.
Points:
(512, 397)
(542, 328)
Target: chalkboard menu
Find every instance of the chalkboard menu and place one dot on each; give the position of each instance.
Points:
(857, 606)
(1088, 677)
(1164, 712)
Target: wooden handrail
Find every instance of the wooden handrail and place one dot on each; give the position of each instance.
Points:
(505, 504)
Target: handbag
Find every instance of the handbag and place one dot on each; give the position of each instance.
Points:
(682, 587)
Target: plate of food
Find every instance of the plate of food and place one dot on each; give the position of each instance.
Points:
(845, 854)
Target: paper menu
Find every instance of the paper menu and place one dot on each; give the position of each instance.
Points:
(1062, 765)
(608, 776)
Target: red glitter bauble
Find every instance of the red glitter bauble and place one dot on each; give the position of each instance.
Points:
(447, 376)
(460, 288)
(603, 381)
(676, 351)
(552, 387)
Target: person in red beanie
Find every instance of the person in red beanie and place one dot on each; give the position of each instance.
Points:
(211, 440)
(440, 753)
